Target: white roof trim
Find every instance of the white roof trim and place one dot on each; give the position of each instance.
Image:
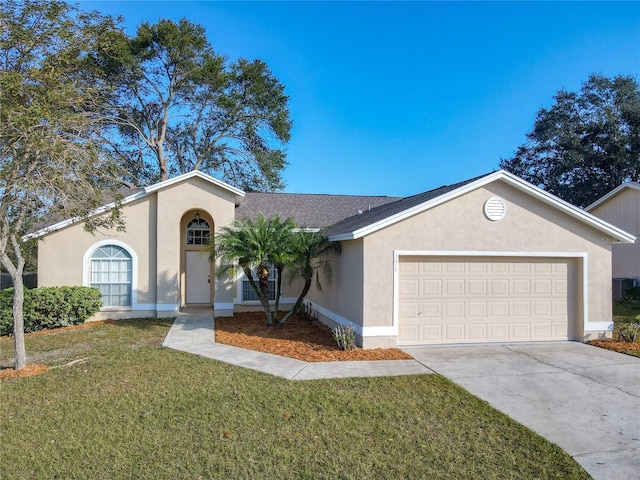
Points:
(239, 195)
(619, 236)
(612, 193)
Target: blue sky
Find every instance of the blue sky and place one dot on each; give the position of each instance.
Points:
(395, 98)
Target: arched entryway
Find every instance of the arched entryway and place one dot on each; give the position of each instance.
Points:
(196, 229)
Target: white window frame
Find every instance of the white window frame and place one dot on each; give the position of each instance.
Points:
(86, 274)
(245, 281)
(197, 228)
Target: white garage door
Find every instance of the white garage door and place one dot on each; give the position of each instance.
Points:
(484, 299)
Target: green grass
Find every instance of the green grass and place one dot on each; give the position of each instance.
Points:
(625, 311)
(133, 409)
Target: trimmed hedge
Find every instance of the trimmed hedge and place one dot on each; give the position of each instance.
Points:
(50, 307)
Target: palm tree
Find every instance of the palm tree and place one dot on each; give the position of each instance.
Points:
(256, 246)
(312, 252)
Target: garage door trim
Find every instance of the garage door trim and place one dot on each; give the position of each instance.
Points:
(581, 256)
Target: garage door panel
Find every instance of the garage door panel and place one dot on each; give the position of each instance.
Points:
(477, 309)
(454, 267)
(498, 309)
(410, 333)
(477, 267)
(520, 309)
(521, 331)
(499, 287)
(454, 310)
(409, 309)
(454, 333)
(499, 331)
(477, 287)
(431, 287)
(542, 331)
(409, 287)
(485, 299)
(431, 333)
(543, 287)
(454, 287)
(431, 310)
(520, 286)
(477, 332)
(542, 308)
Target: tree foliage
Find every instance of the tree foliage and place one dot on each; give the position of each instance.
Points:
(586, 144)
(180, 107)
(256, 245)
(50, 158)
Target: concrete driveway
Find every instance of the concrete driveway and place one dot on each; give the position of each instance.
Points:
(584, 399)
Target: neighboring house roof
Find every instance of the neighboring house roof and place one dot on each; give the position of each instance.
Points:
(611, 194)
(386, 215)
(313, 211)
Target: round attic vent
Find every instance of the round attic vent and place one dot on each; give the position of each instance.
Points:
(495, 208)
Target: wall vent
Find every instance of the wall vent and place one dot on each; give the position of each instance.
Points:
(495, 208)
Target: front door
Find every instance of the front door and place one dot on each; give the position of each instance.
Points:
(198, 288)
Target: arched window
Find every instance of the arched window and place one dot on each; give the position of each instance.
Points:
(111, 274)
(198, 231)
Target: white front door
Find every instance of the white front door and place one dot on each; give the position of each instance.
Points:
(197, 288)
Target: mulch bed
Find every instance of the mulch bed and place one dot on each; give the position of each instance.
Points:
(28, 371)
(615, 345)
(310, 341)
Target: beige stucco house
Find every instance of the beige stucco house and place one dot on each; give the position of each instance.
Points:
(491, 259)
(621, 207)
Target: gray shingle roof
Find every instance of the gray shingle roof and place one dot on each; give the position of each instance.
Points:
(308, 210)
(382, 212)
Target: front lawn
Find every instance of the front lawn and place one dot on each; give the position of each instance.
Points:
(118, 405)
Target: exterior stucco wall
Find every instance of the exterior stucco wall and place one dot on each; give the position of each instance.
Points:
(60, 254)
(341, 299)
(173, 203)
(461, 226)
(154, 234)
(623, 211)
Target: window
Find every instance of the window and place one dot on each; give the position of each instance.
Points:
(198, 231)
(111, 274)
(248, 294)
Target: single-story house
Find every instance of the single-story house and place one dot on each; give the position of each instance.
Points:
(490, 259)
(621, 207)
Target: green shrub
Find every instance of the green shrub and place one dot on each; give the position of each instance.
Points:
(629, 332)
(50, 307)
(631, 295)
(345, 337)
(305, 312)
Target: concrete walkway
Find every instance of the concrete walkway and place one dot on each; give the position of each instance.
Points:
(584, 399)
(192, 332)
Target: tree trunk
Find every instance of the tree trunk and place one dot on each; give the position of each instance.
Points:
(20, 352)
(16, 271)
(277, 292)
(296, 306)
(264, 299)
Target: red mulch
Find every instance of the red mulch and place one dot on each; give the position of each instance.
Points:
(28, 371)
(310, 341)
(615, 345)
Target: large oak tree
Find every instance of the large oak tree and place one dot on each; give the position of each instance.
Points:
(180, 106)
(51, 164)
(586, 144)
